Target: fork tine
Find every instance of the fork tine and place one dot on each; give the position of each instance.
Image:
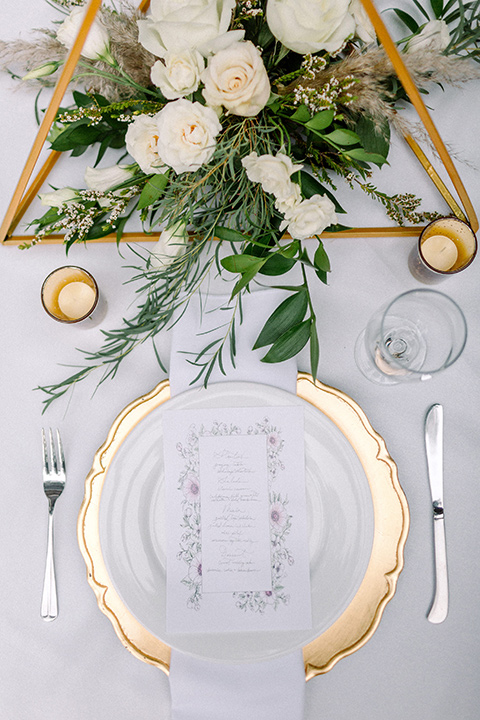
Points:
(60, 452)
(52, 451)
(45, 452)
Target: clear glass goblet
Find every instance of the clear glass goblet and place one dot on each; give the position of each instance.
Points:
(414, 336)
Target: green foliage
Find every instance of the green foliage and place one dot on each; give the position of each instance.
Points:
(317, 128)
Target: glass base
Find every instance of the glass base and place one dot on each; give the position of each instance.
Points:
(369, 368)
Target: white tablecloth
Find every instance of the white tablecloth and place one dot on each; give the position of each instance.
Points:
(76, 667)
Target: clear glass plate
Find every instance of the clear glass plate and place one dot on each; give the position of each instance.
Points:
(132, 528)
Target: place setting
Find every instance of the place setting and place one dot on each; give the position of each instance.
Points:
(245, 519)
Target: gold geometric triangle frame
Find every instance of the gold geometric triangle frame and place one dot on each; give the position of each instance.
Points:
(23, 197)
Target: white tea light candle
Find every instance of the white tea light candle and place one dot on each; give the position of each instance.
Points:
(76, 299)
(445, 247)
(70, 294)
(439, 251)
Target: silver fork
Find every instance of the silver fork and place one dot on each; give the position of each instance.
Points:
(53, 485)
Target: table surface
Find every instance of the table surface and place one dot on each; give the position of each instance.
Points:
(76, 667)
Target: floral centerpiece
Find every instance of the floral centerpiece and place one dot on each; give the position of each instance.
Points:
(233, 121)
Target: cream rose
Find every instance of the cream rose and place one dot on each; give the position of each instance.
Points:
(236, 79)
(179, 74)
(273, 172)
(60, 197)
(310, 217)
(142, 144)
(433, 36)
(96, 45)
(307, 26)
(177, 25)
(186, 134)
(363, 25)
(102, 179)
(172, 243)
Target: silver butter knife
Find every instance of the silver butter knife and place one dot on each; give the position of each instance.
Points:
(434, 447)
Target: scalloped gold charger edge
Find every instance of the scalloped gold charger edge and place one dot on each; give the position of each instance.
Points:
(358, 622)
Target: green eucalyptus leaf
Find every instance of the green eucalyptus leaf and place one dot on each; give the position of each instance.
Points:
(78, 133)
(289, 251)
(343, 137)
(320, 259)
(240, 263)
(290, 312)
(277, 265)
(152, 190)
(311, 186)
(321, 120)
(225, 233)
(289, 344)
(322, 276)
(437, 7)
(246, 277)
(373, 139)
(81, 100)
(360, 154)
(409, 21)
(301, 115)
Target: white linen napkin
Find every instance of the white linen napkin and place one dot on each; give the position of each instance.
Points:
(202, 689)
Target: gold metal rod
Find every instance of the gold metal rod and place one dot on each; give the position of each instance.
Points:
(49, 117)
(415, 97)
(34, 188)
(435, 177)
(138, 237)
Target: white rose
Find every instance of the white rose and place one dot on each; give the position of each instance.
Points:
(273, 172)
(141, 140)
(186, 134)
(172, 243)
(310, 217)
(433, 36)
(179, 74)
(363, 25)
(307, 26)
(285, 204)
(57, 198)
(236, 79)
(97, 43)
(177, 25)
(102, 179)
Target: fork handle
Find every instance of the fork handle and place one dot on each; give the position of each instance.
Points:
(49, 608)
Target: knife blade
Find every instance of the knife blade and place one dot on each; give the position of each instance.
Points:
(434, 449)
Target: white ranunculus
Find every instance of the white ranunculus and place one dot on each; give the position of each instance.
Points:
(179, 74)
(273, 172)
(363, 25)
(102, 179)
(142, 143)
(57, 198)
(307, 26)
(236, 79)
(97, 43)
(310, 217)
(172, 243)
(177, 25)
(433, 36)
(186, 134)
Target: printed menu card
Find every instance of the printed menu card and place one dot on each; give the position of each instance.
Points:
(236, 521)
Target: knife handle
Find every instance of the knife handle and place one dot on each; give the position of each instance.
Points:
(439, 609)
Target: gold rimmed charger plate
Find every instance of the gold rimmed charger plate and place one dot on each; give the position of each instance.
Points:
(359, 621)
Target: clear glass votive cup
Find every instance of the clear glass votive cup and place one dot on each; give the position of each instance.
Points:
(71, 296)
(445, 247)
(412, 337)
